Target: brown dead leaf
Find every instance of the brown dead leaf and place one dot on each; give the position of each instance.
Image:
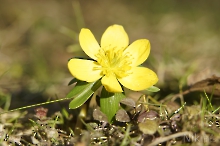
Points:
(209, 85)
(199, 76)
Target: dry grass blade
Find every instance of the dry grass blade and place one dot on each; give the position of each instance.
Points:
(167, 138)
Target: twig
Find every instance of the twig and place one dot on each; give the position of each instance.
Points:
(163, 139)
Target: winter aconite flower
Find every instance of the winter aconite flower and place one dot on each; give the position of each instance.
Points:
(114, 60)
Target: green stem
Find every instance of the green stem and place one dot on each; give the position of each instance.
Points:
(124, 142)
(33, 105)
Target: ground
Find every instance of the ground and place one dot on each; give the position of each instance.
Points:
(37, 39)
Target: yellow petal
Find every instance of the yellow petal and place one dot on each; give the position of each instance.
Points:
(114, 36)
(140, 79)
(139, 50)
(84, 70)
(88, 43)
(111, 84)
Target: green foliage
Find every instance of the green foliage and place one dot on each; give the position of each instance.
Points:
(5, 99)
(109, 103)
(153, 89)
(82, 92)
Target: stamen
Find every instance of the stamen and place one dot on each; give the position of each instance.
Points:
(114, 62)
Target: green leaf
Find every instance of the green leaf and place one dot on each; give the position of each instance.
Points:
(148, 127)
(81, 93)
(74, 80)
(153, 89)
(109, 103)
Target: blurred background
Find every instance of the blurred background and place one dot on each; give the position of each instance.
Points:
(38, 37)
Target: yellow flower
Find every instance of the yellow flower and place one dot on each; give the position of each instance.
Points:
(114, 60)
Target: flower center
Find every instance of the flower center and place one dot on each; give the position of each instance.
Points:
(114, 62)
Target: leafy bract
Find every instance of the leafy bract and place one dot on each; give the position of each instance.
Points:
(82, 92)
(153, 89)
(109, 103)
